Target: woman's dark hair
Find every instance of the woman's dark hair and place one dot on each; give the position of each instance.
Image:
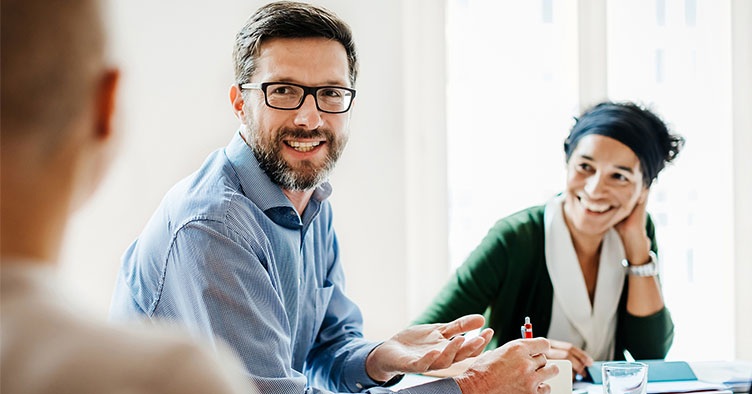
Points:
(287, 19)
(636, 127)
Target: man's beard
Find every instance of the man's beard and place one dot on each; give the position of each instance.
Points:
(306, 174)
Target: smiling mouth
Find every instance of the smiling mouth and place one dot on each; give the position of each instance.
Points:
(303, 146)
(593, 207)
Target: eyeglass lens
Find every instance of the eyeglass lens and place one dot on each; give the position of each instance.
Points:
(284, 96)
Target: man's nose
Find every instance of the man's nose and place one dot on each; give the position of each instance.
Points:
(308, 115)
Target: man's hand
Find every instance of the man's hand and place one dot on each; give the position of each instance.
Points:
(561, 350)
(427, 347)
(517, 367)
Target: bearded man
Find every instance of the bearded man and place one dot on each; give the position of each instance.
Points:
(244, 249)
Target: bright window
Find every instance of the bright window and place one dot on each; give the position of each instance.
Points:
(675, 55)
(513, 90)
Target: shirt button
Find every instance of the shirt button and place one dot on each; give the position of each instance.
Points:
(359, 386)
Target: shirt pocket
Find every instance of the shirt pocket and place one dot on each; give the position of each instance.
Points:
(322, 296)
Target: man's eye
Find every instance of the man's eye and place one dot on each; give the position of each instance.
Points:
(282, 90)
(333, 93)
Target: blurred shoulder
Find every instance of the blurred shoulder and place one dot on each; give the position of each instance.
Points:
(51, 345)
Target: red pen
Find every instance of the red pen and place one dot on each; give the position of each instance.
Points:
(528, 328)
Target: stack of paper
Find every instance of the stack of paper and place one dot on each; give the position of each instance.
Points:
(737, 375)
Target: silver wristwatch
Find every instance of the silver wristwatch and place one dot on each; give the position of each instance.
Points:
(648, 269)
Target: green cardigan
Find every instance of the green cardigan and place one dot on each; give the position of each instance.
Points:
(506, 279)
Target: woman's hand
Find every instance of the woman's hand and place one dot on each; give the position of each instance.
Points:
(644, 293)
(633, 234)
(561, 350)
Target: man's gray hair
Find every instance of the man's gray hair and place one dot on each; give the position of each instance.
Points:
(287, 19)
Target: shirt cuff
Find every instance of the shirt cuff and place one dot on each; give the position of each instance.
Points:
(355, 369)
(358, 379)
(442, 386)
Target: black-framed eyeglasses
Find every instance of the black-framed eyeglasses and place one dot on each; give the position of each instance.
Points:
(289, 96)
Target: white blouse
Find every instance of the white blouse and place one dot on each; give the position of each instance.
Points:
(573, 319)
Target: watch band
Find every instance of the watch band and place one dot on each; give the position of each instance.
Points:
(648, 269)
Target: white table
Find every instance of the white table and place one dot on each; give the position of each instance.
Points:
(706, 371)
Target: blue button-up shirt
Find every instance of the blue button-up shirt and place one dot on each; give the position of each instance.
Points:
(227, 255)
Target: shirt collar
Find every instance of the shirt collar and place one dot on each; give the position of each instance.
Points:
(265, 194)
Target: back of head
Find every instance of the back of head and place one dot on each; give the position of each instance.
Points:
(638, 128)
(57, 99)
(52, 55)
(287, 19)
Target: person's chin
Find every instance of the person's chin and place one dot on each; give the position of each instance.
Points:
(595, 228)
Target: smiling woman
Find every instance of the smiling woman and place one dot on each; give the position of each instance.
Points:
(688, 60)
(561, 263)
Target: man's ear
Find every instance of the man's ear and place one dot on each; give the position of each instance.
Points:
(236, 99)
(106, 96)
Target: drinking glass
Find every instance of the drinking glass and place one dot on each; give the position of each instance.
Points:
(623, 377)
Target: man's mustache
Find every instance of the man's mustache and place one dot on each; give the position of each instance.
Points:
(303, 134)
